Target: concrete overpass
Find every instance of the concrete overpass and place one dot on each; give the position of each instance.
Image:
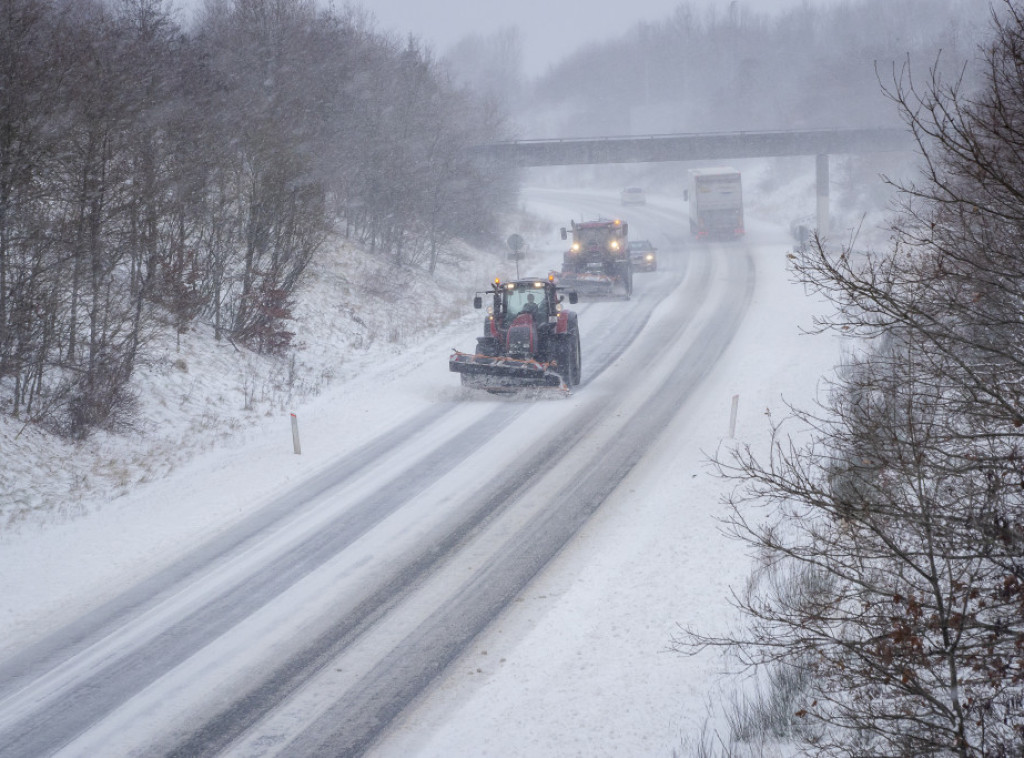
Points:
(700, 147)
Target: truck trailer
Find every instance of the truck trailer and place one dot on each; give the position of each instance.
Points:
(715, 196)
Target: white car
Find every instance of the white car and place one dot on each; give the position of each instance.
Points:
(633, 196)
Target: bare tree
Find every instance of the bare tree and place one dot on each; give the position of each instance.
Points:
(892, 542)
(28, 96)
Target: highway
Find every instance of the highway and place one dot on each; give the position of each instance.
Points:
(353, 591)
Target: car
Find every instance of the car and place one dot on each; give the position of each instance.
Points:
(644, 255)
(633, 196)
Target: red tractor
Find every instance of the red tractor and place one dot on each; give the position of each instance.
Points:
(528, 340)
(597, 262)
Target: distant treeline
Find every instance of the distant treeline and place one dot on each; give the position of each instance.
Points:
(152, 176)
(702, 69)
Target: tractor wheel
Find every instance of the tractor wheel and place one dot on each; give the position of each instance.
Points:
(567, 355)
(577, 359)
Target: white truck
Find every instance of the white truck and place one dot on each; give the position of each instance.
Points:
(716, 203)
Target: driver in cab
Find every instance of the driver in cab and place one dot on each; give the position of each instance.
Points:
(531, 306)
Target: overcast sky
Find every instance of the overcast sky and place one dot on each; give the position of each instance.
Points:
(550, 29)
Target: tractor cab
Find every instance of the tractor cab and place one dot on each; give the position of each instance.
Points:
(536, 298)
(525, 299)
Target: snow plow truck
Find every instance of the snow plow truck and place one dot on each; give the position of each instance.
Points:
(597, 262)
(529, 340)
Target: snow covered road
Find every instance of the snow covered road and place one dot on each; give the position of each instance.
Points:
(309, 626)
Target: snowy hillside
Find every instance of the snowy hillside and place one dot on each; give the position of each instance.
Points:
(194, 394)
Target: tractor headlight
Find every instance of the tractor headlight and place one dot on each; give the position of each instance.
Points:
(575, 247)
(614, 245)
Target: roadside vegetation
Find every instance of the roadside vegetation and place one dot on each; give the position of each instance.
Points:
(158, 179)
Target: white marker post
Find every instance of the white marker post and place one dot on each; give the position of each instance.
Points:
(295, 435)
(732, 415)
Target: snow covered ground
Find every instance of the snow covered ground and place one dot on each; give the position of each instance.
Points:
(580, 664)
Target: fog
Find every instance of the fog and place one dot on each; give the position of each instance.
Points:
(548, 31)
(580, 68)
(696, 69)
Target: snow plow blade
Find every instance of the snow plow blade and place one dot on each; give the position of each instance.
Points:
(594, 285)
(497, 373)
(589, 284)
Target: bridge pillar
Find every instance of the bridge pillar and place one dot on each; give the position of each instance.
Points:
(821, 166)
